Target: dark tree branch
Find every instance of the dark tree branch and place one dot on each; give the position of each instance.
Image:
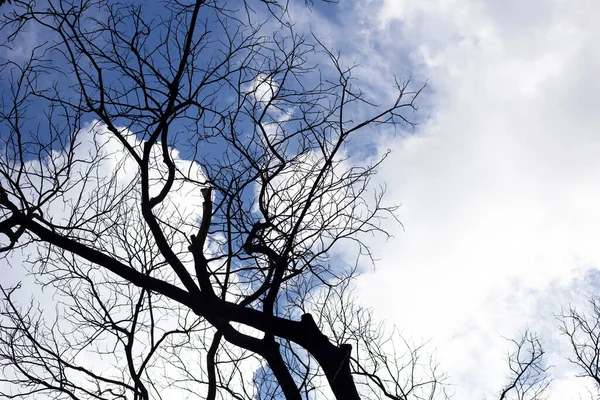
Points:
(150, 112)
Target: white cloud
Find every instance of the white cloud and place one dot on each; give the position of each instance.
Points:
(263, 88)
(499, 187)
(109, 172)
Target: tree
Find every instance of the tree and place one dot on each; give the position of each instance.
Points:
(216, 277)
(529, 377)
(583, 331)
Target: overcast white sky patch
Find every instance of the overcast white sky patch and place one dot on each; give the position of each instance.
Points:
(499, 187)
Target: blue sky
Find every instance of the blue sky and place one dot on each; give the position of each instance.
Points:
(499, 185)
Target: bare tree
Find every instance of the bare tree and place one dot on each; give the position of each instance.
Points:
(583, 331)
(387, 365)
(529, 375)
(179, 178)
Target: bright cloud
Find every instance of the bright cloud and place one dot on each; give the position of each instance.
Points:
(499, 188)
(263, 88)
(500, 183)
(109, 172)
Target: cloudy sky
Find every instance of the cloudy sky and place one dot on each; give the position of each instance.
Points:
(499, 185)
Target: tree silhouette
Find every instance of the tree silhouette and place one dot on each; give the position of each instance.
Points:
(529, 378)
(583, 332)
(179, 177)
(179, 180)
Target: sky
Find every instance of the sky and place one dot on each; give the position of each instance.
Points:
(499, 185)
